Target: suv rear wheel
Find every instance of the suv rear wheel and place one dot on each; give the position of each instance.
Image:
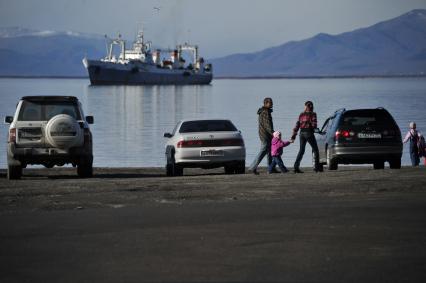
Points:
(14, 172)
(85, 168)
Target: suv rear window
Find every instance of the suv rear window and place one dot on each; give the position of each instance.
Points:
(367, 118)
(207, 126)
(44, 111)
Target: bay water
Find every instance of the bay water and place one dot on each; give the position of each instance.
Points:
(130, 120)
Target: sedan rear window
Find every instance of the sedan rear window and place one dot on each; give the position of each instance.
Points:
(367, 118)
(44, 111)
(207, 126)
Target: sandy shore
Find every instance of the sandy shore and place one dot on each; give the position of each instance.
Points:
(137, 225)
(60, 188)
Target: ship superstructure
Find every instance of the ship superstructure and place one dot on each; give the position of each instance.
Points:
(141, 65)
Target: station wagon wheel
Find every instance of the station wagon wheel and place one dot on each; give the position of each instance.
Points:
(379, 165)
(331, 162)
(229, 169)
(240, 168)
(320, 165)
(395, 163)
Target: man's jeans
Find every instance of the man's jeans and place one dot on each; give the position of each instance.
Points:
(276, 160)
(307, 136)
(265, 149)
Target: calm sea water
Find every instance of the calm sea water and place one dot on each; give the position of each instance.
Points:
(130, 120)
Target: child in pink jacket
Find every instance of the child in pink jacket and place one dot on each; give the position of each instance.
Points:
(277, 146)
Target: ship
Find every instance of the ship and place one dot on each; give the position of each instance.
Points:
(141, 65)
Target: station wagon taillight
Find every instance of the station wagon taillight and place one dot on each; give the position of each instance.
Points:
(12, 135)
(344, 134)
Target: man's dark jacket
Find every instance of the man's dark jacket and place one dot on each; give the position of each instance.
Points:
(266, 127)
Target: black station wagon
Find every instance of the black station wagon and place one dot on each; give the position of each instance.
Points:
(360, 136)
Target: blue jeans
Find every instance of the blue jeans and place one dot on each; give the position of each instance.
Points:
(307, 137)
(276, 160)
(265, 149)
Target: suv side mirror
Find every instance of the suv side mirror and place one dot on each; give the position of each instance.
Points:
(90, 120)
(8, 119)
(168, 135)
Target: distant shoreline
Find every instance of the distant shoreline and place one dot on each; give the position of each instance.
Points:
(241, 78)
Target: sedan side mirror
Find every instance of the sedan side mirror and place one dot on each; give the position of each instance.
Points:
(90, 119)
(8, 119)
(168, 135)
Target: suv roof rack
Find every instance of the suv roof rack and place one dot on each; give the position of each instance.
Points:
(50, 98)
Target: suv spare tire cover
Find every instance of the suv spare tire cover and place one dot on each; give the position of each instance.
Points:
(63, 131)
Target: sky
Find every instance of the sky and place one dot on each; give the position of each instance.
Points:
(219, 27)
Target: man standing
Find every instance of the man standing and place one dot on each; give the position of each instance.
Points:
(266, 130)
(307, 123)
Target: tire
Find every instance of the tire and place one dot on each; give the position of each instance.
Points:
(229, 169)
(395, 163)
(173, 169)
(14, 172)
(85, 168)
(332, 163)
(169, 170)
(379, 165)
(240, 168)
(63, 131)
(178, 170)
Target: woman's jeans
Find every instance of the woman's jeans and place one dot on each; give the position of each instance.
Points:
(265, 149)
(307, 137)
(276, 160)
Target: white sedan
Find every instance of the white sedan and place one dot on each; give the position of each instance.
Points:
(205, 144)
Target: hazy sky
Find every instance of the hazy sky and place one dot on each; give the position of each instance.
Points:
(219, 27)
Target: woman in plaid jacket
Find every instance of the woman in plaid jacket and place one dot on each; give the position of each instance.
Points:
(307, 123)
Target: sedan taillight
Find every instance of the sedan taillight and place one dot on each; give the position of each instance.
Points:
(210, 143)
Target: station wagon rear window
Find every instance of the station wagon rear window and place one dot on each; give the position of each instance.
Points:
(367, 118)
(207, 126)
(44, 111)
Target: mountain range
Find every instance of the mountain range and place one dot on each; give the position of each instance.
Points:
(390, 48)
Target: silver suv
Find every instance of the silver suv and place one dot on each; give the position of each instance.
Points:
(49, 130)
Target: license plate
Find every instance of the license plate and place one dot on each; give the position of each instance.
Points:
(369, 136)
(212, 152)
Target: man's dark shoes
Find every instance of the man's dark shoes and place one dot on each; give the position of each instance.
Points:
(254, 171)
(274, 170)
(297, 170)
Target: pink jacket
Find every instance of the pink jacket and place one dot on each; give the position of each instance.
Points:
(277, 146)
